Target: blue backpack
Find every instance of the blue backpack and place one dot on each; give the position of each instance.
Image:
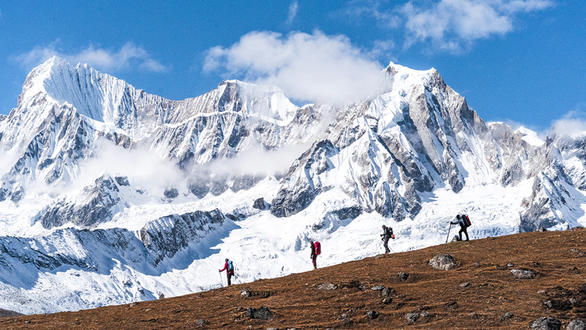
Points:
(230, 266)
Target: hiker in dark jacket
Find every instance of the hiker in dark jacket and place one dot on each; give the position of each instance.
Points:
(385, 236)
(313, 254)
(463, 229)
(229, 272)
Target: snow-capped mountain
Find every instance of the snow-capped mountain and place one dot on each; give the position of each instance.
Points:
(109, 194)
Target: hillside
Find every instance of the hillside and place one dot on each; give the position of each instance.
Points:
(110, 195)
(440, 299)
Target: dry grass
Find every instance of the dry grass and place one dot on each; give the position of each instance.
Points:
(558, 258)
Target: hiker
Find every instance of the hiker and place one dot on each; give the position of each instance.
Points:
(315, 251)
(229, 268)
(385, 236)
(461, 220)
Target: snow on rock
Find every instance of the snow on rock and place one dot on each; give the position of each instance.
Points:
(110, 195)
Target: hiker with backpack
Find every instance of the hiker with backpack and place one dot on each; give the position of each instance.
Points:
(315, 251)
(385, 236)
(229, 268)
(464, 222)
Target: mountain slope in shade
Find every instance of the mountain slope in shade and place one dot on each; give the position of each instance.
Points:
(109, 194)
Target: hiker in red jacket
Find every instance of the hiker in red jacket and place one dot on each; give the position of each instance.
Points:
(315, 251)
(229, 268)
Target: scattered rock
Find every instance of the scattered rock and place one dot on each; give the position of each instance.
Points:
(327, 286)
(345, 319)
(387, 300)
(577, 252)
(476, 264)
(464, 284)
(377, 288)
(201, 323)
(510, 265)
(546, 323)
(403, 276)
(558, 304)
(27, 322)
(523, 274)
(245, 293)
(451, 305)
(443, 262)
(541, 292)
(474, 315)
(506, 316)
(372, 314)
(574, 270)
(424, 314)
(576, 324)
(386, 292)
(412, 317)
(262, 313)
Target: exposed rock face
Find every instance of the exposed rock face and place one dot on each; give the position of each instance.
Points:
(172, 233)
(298, 188)
(382, 157)
(99, 201)
(260, 204)
(171, 193)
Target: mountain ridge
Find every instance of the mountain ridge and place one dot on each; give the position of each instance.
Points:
(107, 161)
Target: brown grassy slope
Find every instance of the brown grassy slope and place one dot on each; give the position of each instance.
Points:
(558, 258)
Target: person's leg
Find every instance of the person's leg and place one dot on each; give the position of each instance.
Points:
(229, 277)
(313, 260)
(386, 244)
(460, 233)
(466, 232)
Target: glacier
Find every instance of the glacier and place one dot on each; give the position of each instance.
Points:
(110, 195)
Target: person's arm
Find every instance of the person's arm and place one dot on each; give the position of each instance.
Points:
(225, 267)
(454, 222)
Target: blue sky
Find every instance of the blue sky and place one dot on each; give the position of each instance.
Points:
(517, 60)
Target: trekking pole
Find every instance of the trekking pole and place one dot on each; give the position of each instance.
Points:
(221, 281)
(449, 228)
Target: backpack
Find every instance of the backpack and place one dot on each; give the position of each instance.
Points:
(230, 266)
(317, 246)
(466, 219)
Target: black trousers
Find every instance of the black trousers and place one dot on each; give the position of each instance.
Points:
(386, 244)
(465, 231)
(229, 276)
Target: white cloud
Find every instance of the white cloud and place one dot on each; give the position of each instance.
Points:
(310, 67)
(454, 24)
(372, 9)
(128, 56)
(571, 124)
(451, 25)
(292, 12)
